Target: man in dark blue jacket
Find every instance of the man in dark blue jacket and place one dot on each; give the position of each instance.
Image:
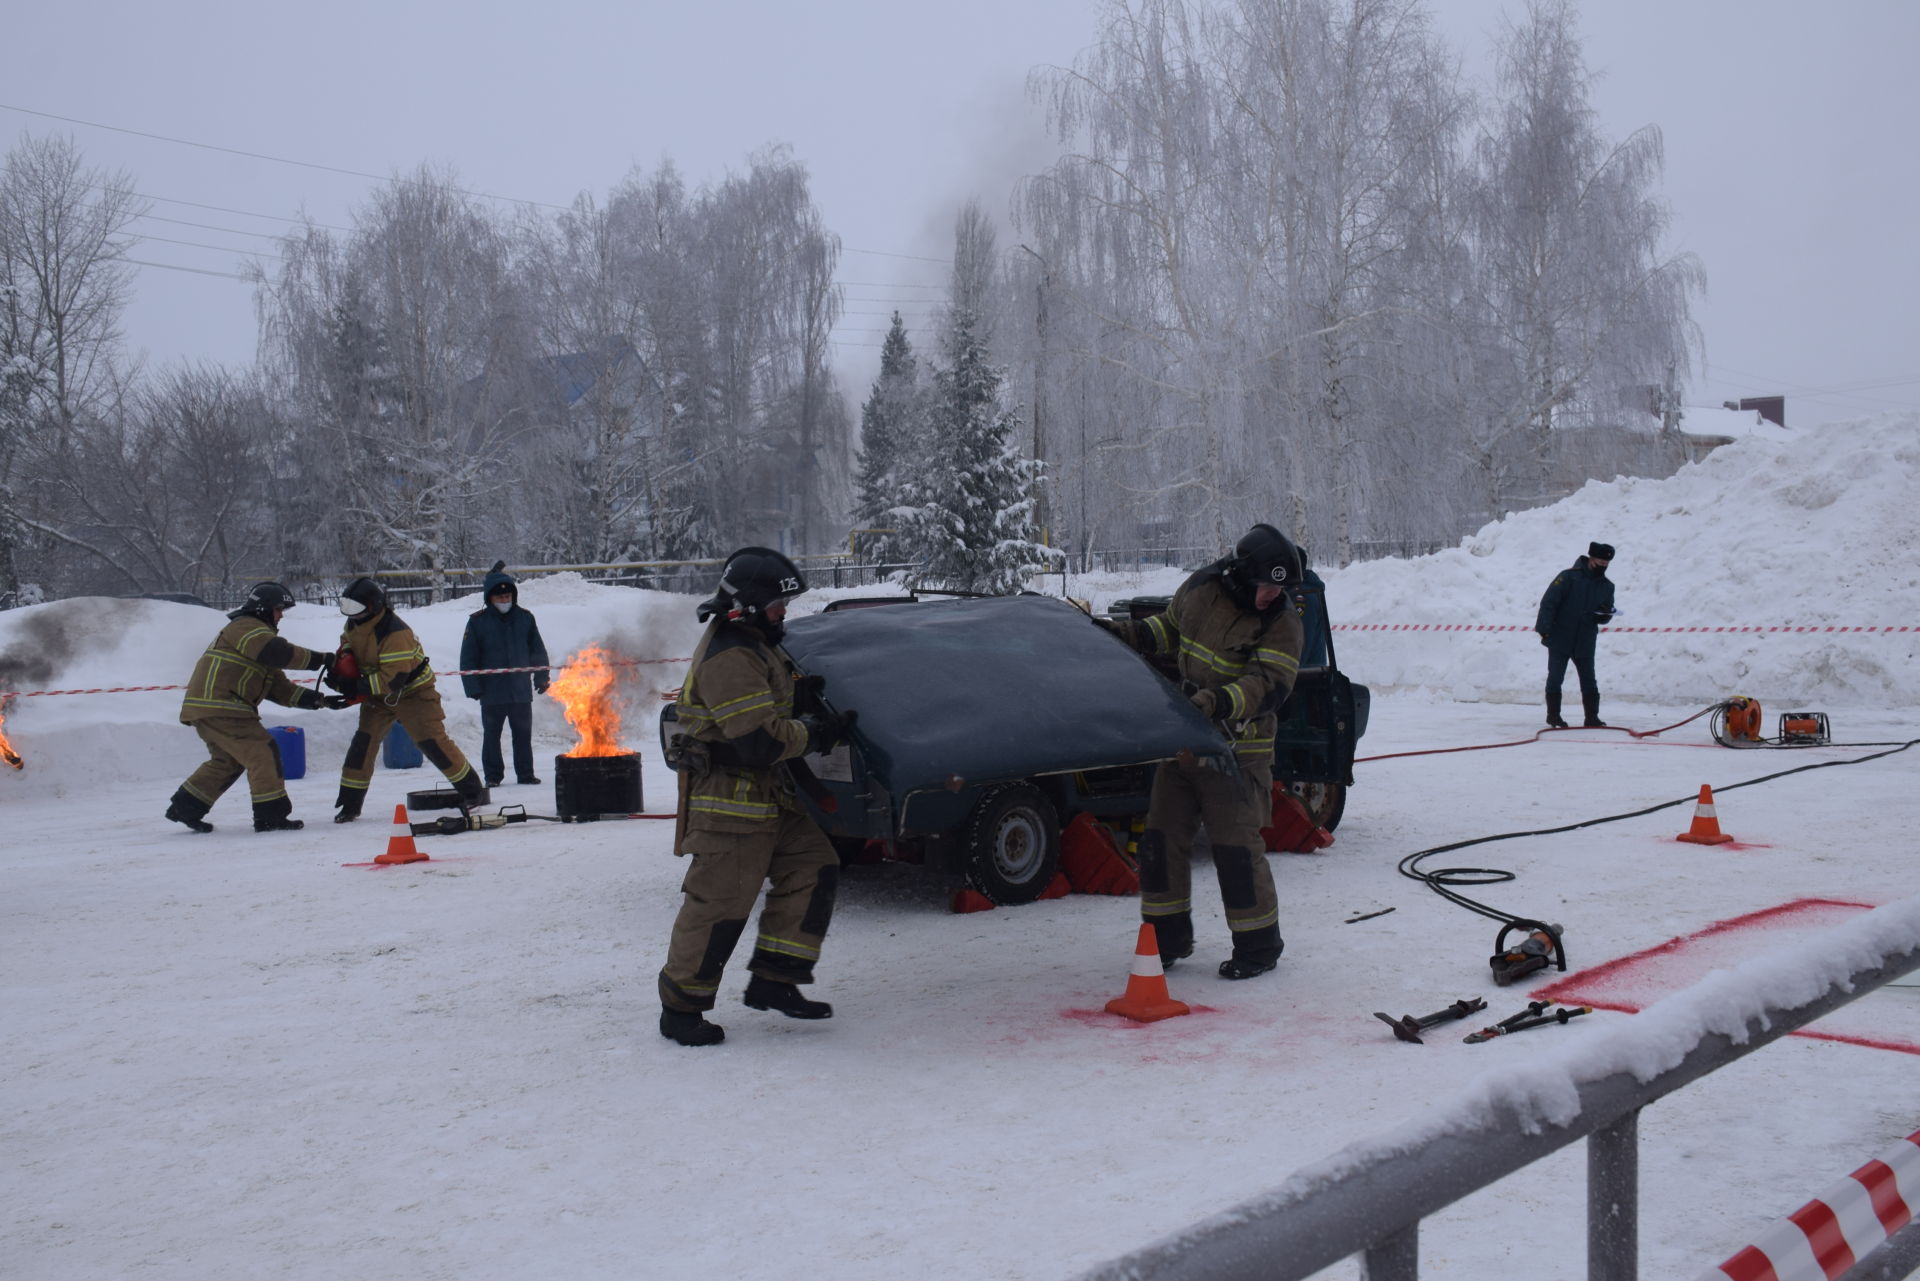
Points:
(504, 635)
(1576, 603)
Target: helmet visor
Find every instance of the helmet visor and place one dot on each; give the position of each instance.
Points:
(349, 606)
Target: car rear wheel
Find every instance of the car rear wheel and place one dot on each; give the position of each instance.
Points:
(1012, 843)
(1325, 802)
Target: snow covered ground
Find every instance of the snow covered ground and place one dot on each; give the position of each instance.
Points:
(231, 1056)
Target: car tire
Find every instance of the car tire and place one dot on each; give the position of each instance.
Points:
(1011, 845)
(1325, 802)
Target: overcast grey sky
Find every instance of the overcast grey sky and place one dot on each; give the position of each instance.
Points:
(1790, 131)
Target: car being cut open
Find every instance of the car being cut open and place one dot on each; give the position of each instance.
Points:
(988, 723)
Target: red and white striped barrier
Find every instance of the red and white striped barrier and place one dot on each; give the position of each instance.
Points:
(1829, 1234)
(473, 671)
(1521, 627)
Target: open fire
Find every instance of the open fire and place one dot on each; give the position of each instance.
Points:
(585, 688)
(598, 776)
(7, 753)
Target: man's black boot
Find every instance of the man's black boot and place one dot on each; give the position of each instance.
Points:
(182, 808)
(688, 1028)
(1593, 720)
(766, 994)
(1554, 719)
(1246, 965)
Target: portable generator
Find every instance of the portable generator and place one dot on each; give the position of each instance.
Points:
(1805, 729)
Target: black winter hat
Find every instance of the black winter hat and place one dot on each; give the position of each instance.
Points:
(1599, 551)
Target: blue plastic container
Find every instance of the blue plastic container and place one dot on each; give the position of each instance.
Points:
(292, 742)
(399, 752)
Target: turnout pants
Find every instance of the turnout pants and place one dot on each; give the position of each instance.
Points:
(420, 713)
(795, 857)
(1233, 808)
(517, 717)
(236, 745)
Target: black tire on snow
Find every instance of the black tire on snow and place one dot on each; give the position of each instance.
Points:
(1010, 846)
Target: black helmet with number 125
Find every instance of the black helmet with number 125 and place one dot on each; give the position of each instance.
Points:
(753, 579)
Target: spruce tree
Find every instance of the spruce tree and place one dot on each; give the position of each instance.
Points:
(969, 511)
(887, 444)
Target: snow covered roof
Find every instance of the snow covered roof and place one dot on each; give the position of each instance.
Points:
(1730, 424)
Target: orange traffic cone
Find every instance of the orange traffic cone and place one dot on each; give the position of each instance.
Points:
(1706, 824)
(1146, 999)
(400, 847)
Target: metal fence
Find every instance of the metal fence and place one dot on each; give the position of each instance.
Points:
(1371, 1204)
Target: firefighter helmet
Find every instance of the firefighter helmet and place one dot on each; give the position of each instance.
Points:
(362, 597)
(262, 599)
(756, 577)
(1265, 555)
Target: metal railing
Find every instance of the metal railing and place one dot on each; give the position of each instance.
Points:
(1369, 1199)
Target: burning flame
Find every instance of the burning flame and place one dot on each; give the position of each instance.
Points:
(7, 752)
(585, 689)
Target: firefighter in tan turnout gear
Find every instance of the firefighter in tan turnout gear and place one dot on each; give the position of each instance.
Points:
(392, 681)
(241, 667)
(740, 820)
(1235, 633)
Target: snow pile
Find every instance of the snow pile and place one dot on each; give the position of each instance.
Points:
(1816, 531)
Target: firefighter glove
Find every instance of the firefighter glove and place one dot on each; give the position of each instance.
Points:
(351, 685)
(321, 661)
(1203, 699)
(308, 700)
(336, 701)
(827, 730)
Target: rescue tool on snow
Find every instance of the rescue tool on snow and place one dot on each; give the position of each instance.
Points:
(1536, 951)
(1534, 1015)
(1408, 1028)
(451, 825)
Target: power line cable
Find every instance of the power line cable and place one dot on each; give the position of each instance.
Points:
(361, 173)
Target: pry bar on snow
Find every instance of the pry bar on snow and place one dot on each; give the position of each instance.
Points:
(1408, 1028)
(1536, 951)
(1526, 1018)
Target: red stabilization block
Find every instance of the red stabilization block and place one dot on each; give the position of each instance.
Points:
(1293, 830)
(1091, 860)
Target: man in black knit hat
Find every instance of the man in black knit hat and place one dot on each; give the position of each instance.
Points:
(1576, 603)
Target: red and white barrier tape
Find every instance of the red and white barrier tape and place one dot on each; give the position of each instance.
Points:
(1519, 627)
(1338, 627)
(1829, 1234)
(473, 671)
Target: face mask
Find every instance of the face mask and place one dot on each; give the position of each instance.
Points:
(503, 605)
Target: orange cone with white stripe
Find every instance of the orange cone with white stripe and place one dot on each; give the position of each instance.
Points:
(400, 846)
(1706, 824)
(1147, 999)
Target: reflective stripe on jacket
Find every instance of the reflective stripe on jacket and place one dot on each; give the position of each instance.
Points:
(739, 692)
(390, 656)
(241, 668)
(1248, 660)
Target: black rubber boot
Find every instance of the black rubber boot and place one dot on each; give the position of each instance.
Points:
(1254, 961)
(688, 1028)
(1593, 720)
(182, 808)
(1554, 719)
(349, 810)
(1173, 935)
(765, 994)
(275, 816)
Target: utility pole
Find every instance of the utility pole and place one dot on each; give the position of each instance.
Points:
(1041, 513)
